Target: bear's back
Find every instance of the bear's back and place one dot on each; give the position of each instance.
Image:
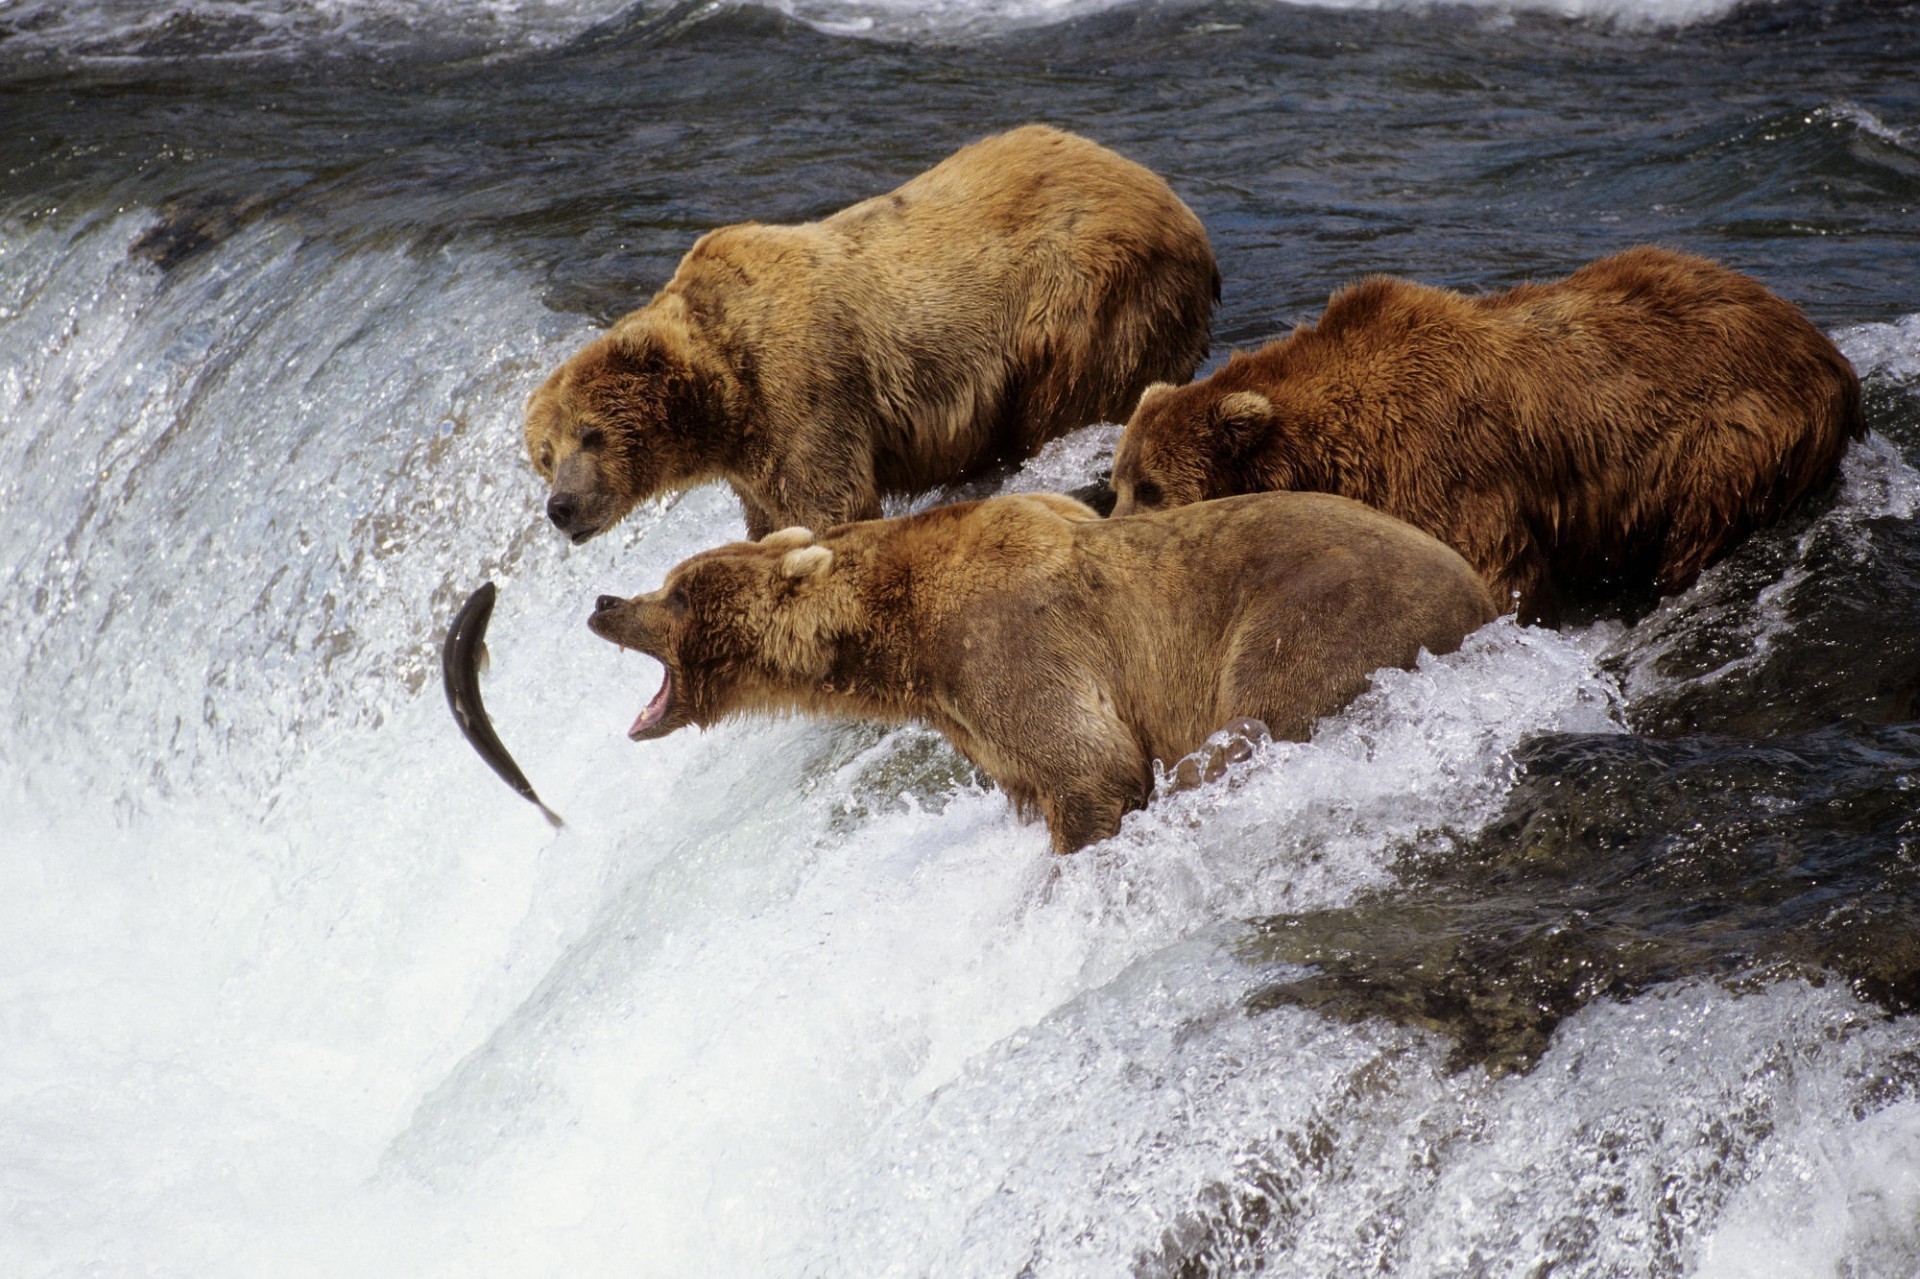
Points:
(1035, 187)
(1256, 541)
(1587, 389)
(1274, 605)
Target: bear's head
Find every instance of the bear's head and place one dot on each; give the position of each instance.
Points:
(750, 626)
(1187, 444)
(629, 416)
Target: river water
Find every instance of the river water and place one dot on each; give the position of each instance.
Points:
(1589, 952)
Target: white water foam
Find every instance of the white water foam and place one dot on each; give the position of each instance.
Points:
(1890, 351)
(1068, 462)
(1315, 1151)
(1843, 1187)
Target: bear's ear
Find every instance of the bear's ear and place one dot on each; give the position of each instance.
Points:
(659, 330)
(797, 535)
(646, 350)
(806, 561)
(1154, 391)
(630, 354)
(1240, 419)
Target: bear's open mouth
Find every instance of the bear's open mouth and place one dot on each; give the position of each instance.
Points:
(654, 713)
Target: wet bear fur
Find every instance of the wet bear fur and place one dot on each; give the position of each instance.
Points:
(1061, 653)
(1029, 284)
(1602, 437)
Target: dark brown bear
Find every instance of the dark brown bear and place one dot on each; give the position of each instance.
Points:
(1606, 434)
(1031, 283)
(1063, 654)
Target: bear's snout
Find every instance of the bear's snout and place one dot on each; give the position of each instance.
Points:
(628, 623)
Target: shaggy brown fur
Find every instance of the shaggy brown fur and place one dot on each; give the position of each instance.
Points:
(1061, 653)
(1611, 432)
(1028, 284)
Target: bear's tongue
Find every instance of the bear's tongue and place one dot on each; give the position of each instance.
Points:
(655, 710)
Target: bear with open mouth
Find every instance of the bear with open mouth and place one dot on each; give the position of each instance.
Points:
(1063, 654)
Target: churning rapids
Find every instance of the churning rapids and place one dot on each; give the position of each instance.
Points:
(1592, 952)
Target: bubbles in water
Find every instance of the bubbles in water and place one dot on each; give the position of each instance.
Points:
(1889, 351)
(1068, 462)
(1845, 1187)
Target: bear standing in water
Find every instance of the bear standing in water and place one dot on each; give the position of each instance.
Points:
(1029, 284)
(1063, 654)
(1598, 436)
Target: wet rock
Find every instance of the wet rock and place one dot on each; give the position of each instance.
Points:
(1622, 863)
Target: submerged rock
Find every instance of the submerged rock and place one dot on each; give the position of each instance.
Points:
(190, 224)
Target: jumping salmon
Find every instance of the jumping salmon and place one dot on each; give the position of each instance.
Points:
(460, 662)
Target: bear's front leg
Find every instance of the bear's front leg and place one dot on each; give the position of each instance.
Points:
(1084, 803)
(1048, 737)
(849, 497)
(1078, 820)
(788, 500)
(760, 521)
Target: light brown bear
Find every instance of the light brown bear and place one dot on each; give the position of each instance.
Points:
(1063, 654)
(1029, 284)
(1599, 436)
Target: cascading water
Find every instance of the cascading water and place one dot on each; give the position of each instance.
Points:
(290, 984)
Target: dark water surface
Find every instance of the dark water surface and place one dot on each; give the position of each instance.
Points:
(1452, 145)
(1594, 955)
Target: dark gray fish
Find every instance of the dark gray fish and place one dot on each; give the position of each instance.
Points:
(460, 662)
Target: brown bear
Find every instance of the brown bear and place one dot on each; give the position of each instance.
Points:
(1028, 284)
(1601, 436)
(1062, 653)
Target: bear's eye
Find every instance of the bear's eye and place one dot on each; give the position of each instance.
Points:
(1147, 493)
(677, 601)
(592, 438)
(546, 462)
